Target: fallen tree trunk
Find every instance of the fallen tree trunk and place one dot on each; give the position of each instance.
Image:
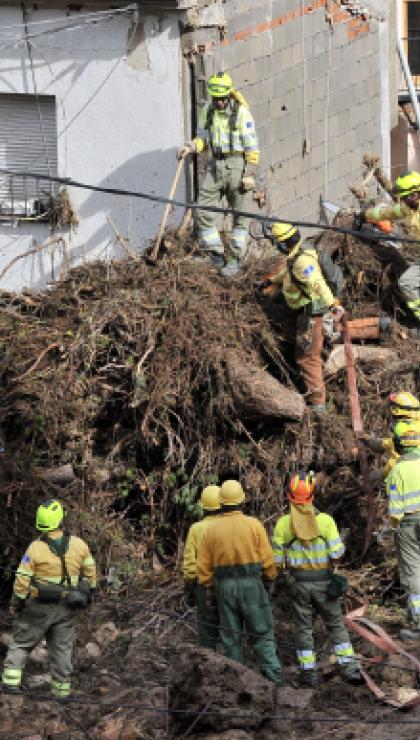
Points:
(366, 354)
(257, 394)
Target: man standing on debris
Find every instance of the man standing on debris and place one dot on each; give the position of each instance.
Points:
(226, 129)
(403, 407)
(207, 615)
(236, 567)
(306, 541)
(406, 210)
(307, 292)
(47, 591)
(403, 489)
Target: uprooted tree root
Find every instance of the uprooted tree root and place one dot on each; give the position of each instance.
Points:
(119, 374)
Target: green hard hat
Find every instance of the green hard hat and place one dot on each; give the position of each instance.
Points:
(49, 516)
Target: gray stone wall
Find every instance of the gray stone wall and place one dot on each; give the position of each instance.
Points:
(315, 91)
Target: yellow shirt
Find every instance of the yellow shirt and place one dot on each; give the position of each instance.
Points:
(234, 539)
(397, 212)
(310, 285)
(192, 546)
(41, 564)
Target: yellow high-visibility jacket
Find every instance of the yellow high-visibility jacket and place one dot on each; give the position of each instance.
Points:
(192, 546)
(397, 212)
(403, 486)
(313, 555)
(234, 544)
(243, 137)
(310, 285)
(41, 564)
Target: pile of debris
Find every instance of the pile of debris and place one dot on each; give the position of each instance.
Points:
(128, 387)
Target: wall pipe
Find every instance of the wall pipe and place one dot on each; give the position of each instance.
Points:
(409, 81)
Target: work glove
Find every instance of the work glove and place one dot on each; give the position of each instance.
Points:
(15, 606)
(373, 443)
(376, 476)
(247, 183)
(189, 593)
(358, 221)
(187, 148)
(268, 585)
(263, 285)
(338, 311)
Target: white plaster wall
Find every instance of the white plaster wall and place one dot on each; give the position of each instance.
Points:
(127, 125)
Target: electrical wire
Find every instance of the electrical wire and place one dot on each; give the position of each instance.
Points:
(69, 182)
(76, 17)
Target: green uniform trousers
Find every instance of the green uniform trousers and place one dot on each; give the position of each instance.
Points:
(207, 619)
(55, 623)
(407, 540)
(309, 597)
(244, 605)
(409, 284)
(223, 177)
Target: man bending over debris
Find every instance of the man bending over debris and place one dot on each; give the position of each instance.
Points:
(305, 541)
(403, 489)
(407, 210)
(47, 591)
(226, 129)
(236, 566)
(307, 292)
(207, 614)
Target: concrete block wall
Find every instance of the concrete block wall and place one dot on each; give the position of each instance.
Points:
(315, 92)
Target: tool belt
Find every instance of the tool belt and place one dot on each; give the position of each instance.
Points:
(63, 592)
(217, 154)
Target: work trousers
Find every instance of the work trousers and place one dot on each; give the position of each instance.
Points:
(223, 177)
(407, 540)
(207, 619)
(55, 623)
(310, 597)
(308, 351)
(244, 606)
(409, 285)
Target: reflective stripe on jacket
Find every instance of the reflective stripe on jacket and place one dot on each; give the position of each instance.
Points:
(237, 543)
(40, 563)
(244, 137)
(192, 546)
(313, 555)
(310, 285)
(403, 485)
(397, 212)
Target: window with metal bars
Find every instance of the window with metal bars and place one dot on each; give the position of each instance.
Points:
(28, 142)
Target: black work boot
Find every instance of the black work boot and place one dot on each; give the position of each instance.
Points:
(308, 679)
(13, 690)
(353, 676)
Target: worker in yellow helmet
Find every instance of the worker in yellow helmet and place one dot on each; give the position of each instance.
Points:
(207, 615)
(55, 577)
(403, 406)
(226, 129)
(403, 489)
(406, 211)
(236, 566)
(311, 291)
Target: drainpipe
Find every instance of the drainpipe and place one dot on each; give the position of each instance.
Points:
(409, 81)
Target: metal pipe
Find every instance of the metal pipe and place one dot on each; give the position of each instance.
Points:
(409, 81)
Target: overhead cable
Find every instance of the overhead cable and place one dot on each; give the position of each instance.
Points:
(68, 182)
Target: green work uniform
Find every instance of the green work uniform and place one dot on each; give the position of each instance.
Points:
(207, 619)
(403, 488)
(308, 563)
(231, 138)
(56, 623)
(243, 603)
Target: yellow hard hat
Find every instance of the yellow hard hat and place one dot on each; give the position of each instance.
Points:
(282, 231)
(220, 85)
(210, 498)
(404, 404)
(231, 493)
(407, 184)
(406, 434)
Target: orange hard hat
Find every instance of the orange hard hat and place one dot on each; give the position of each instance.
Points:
(301, 488)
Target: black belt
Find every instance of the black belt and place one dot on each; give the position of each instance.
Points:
(226, 155)
(310, 575)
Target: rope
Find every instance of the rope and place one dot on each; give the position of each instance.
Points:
(69, 182)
